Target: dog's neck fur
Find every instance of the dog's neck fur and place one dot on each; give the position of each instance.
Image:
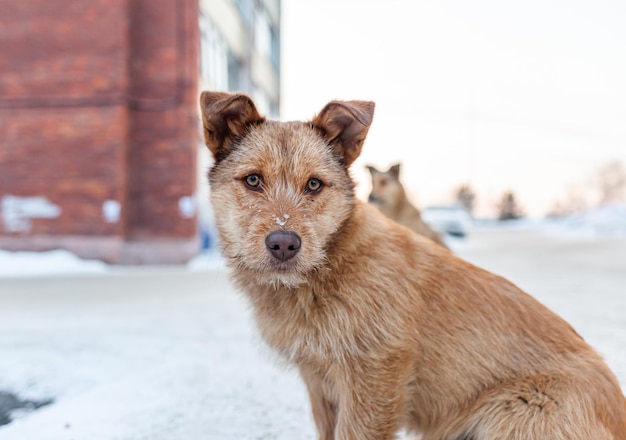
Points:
(402, 209)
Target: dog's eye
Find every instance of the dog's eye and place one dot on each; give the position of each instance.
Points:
(253, 181)
(313, 185)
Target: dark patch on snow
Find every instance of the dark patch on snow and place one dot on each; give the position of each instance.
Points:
(10, 402)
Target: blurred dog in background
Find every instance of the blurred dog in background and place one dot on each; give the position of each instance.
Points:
(389, 196)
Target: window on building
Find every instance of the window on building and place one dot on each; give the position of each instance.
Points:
(266, 38)
(274, 110)
(214, 62)
(275, 53)
(262, 101)
(235, 73)
(262, 33)
(245, 9)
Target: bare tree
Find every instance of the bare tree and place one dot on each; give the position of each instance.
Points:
(574, 202)
(509, 208)
(466, 197)
(610, 179)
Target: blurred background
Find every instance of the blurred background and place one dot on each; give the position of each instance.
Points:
(500, 106)
(502, 96)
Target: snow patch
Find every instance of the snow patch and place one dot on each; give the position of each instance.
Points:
(57, 262)
(603, 222)
(111, 210)
(207, 262)
(187, 206)
(17, 212)
(606, 221)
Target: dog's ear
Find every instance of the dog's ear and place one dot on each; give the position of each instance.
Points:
(372, 169)
(344, 124)
(394, 170)
(225, 118)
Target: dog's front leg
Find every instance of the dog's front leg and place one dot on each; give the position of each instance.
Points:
(323, 408)
(371, 404)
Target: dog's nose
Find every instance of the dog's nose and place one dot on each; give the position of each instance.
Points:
(283, 245)
(371, 198)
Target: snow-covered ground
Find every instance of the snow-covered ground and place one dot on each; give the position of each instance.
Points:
(606, 221)
(171, 353)
(52, 263)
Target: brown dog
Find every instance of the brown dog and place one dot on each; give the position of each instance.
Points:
(389, 196)
(387, 329)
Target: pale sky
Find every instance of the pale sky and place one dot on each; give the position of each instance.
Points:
(528, 96)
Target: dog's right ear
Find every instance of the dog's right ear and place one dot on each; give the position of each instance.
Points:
(225, 118)
(345, 124)
(394, 170)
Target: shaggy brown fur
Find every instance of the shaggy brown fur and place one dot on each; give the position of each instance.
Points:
(389, 196)
(387, 329)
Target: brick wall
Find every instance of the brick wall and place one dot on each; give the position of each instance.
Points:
(98, 128)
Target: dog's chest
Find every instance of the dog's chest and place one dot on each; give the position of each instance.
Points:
(304, 326)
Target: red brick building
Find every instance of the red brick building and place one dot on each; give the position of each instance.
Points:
(98, 128)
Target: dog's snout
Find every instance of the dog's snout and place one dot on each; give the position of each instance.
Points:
(283, 245)
(371, 198)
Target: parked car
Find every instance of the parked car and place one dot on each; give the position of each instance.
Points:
(448, 219)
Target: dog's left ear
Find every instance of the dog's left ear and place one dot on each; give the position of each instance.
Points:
(225, 118)
(372, 170)
(344, 124)
(394, 170)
